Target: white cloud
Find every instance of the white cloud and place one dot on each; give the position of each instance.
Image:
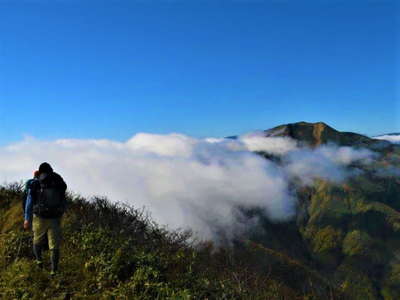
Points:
(325, 162)
(391, 138)
(272, 145)
(184, 182)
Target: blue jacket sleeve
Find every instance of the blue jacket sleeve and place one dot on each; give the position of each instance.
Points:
(28, 207)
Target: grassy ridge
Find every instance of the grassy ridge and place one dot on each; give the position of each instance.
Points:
(116, 252)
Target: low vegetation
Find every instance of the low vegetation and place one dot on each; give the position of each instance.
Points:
(117, 252)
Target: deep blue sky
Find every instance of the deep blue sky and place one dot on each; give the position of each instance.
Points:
(109, 69)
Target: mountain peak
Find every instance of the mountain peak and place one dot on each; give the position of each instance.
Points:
(318, 133)
(303, 123)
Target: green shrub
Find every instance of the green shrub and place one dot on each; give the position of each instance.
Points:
(356, 243)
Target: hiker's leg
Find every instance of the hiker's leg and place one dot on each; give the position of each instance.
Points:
(39, 229)
(37, 251)
(54, 243)
(54, 259)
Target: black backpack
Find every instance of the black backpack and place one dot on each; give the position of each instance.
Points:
(50, 197)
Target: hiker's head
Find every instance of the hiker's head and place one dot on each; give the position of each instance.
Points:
(45, 168)
(36, 174)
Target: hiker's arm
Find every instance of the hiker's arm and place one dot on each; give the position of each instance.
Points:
(28, 207)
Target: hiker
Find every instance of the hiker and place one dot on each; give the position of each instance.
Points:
(45, 206)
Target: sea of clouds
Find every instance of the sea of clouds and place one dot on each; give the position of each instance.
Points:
(186, 182)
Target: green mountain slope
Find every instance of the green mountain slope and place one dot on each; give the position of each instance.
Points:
(352, 230)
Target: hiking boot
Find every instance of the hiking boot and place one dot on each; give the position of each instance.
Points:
(37, 251)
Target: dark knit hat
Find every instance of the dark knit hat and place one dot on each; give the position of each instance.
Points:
(45, 168)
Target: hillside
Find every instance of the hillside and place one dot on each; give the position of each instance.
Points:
(344, 242)
(352, 229)
(117, 252)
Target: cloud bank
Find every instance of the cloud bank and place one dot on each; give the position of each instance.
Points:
(185, 182)
(391, 138)
(325, 162)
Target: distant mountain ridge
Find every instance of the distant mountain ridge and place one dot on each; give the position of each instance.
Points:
(315, 134)
(319, 133)
(394, 133)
